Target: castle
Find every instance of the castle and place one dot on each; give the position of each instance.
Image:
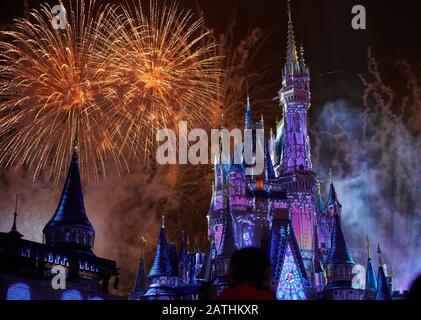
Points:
(280, 211)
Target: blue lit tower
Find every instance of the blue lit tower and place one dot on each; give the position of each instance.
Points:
(141, 282)
(163, 275)
(339, 267)
(370, 276)
(383, 289)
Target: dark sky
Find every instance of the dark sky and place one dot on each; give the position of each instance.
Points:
(323, 26)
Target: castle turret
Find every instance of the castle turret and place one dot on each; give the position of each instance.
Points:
(141, 283)
(333, 205)
(383, 289)
(370, 276)
(339, 267)
(162, 270)
(70, 224)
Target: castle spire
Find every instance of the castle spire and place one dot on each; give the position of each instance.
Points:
(162, 265)
(70, 217)
(370, 276)
(292, 60)
(141, 282)
(339, 262)
(14, 231)
(383, 289)
(339, 253)
(332, 200)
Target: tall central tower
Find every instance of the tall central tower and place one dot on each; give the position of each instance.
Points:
(294, 167)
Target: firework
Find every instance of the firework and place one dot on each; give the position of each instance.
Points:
(167, 69)
(55, 86)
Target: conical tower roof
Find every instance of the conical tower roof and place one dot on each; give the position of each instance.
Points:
(71, 207)
(162, 264)
(339, 253)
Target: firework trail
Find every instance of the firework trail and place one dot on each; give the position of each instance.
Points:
(167, 69)
(374, 151)
(55, 86)
(110, 79)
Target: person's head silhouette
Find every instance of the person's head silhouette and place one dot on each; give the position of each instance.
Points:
(415, 291)
(249, 275)
(250, 265)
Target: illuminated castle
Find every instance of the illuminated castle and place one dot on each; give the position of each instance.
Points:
(280, 211)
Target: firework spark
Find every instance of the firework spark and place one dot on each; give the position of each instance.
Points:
(55, 87)
(110, 79)
(167, 68)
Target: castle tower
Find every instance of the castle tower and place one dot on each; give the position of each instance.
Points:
(294, 170)
(333, 205)
(339, 268)
(383, 289)
(141, 283)
(370, 276)
(295, 99)
(70, 224)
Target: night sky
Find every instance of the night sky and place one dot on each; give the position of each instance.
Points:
(322, 26)
(336, 55)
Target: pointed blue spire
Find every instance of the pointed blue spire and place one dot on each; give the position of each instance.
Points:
(370, 276)
(141, 284)
(383, 289)
(162, 264)
(339, 253)
(270, 172)
(71, 208)
(319, 201)
(332, 198)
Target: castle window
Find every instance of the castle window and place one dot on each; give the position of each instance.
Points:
(71, 295)
(18, 291)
